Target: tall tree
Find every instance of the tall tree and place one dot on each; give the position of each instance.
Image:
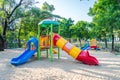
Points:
(30, 22)
(107, 15)
(98, 32)
(1, 16)
(65, 27)
(9, 7)
(80, 30)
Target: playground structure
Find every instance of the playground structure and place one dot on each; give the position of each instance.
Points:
(91, 45)
(49, 41)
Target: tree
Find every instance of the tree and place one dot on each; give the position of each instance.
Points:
(29, 24)
(98, 32)
(106, 15)
(80, 30)
(65, 27)
(10, 8)
(47, 7)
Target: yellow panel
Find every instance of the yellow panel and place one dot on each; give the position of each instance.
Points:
(74, 52)
(43, 40)
(93, 42)
(61, 42)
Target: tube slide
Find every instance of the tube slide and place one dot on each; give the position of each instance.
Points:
(80, 55)
(27, 54)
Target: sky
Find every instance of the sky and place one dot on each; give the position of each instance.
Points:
(75, 9)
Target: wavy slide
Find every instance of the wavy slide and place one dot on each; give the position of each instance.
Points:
(80, 55)
(27, 54)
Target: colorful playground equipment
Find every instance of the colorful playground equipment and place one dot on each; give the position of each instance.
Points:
(91, 45)
(48, 42)
(45, 43)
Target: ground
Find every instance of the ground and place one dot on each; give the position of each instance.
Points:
(65, 68)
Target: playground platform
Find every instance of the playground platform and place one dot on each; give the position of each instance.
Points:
(65, 68)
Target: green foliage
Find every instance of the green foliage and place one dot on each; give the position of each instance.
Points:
(0, 29)
(80, 30)
(47, 7)
(1, 2)
(1, 15)
(45, 15)
(30, 22)
(106, 15)
(65, 27)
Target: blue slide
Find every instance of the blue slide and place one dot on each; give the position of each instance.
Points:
(27, 54)
(86, 47)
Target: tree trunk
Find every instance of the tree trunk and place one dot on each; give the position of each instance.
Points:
(112, 42)
(5, 25)
(3, 36)
(80, 42)
(1, 43)
(106, 42)
(19, 41)
(69, 40)
(112, 39)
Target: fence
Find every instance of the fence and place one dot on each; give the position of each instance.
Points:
(14, 43)
(101, 44)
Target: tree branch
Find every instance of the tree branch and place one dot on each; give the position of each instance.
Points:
(6, 12)
(11, 21)
(15, 9)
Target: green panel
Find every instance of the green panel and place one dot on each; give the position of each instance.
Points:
(47, 22)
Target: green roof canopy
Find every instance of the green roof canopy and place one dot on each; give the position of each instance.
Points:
(46, 22)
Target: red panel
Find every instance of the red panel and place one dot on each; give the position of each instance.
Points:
(93, 47)
(56, 37)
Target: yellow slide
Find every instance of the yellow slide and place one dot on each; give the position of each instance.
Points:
(73, 51)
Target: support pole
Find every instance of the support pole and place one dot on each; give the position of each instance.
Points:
(39, 49)
(59, 48)
(47, 34)
(51, 43)
(47, 52)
